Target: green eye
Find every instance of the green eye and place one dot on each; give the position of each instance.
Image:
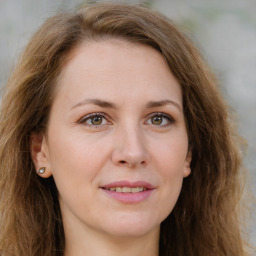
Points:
(97, 120)
(160, 119)
(94, 120)
(156, 120)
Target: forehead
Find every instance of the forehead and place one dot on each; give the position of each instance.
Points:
(112, 51)
(116, 65)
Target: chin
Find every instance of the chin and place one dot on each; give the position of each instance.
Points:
(133, 232)
(133, 227)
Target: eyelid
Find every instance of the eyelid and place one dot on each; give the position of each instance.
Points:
(107, 118)
(164, 115)
(91, 115)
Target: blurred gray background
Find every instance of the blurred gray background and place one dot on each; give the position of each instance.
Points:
(223, 30)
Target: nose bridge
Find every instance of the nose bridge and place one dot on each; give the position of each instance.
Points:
(130, 147)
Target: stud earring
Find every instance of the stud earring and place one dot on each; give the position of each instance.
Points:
(41, 170)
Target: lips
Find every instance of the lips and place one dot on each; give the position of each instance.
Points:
(127, 189)
(129, 192)
(128, 184)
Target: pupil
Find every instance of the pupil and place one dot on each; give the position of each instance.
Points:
(157, 120)
(97, 120)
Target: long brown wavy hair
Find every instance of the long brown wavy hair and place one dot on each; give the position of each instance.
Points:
(207, 217)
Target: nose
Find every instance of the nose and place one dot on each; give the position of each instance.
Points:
(130, 149)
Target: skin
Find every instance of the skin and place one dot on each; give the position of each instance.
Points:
(135, 140)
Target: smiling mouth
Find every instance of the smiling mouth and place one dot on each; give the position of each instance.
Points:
(129, 192)
(127, 189)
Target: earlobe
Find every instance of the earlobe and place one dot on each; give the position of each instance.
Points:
(39, 154)
(187, 171)
(187, 168)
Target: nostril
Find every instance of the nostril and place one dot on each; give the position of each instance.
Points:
(127, 163)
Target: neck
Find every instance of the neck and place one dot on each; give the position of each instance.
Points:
(95, 244)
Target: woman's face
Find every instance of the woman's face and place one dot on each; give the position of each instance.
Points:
(116, 143)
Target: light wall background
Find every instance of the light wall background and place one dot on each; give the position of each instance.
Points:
(223, 30)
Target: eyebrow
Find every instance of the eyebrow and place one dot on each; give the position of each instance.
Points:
(106, 104)
(153, 104)
(98, 102)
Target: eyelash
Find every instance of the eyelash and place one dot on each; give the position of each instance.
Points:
(84, 119)
(169, 119)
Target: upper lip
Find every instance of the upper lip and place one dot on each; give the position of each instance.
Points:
(128, 184)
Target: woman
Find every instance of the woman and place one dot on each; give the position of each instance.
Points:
(116, 140)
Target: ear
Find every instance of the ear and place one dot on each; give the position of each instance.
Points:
(39, 154)
(187, 168)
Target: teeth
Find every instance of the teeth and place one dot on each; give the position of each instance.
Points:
(118, 189)
(135, 190)
(127, 190)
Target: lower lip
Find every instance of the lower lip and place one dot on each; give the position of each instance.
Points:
(129, 198)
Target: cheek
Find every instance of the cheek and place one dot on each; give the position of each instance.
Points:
(172, 179)
(75, 160)
(74, 146)
(75, 164)
(171, 170)
(171, 154)
(170, 163)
